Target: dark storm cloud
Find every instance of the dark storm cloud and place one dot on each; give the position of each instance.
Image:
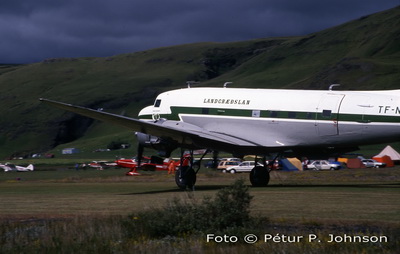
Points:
(35, 30)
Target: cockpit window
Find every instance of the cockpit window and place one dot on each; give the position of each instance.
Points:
(157, 103)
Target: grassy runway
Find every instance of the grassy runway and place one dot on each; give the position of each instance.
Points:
(350, 194)
(60, 210)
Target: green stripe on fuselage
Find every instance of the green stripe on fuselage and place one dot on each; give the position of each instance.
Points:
(296, 115)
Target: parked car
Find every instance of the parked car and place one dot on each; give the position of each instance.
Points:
(370, 163)
(223, 165)
(245, 166)
(232, 159)
(212, 164)
(323, 165)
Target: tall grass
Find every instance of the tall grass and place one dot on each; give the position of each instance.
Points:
(182, 227)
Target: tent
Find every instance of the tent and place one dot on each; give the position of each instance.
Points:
(291, 164)
(385, 159)
(388, 151)
(355, 163)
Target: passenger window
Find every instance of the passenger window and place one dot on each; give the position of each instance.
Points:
(205, 111)
(326, 113)
(157, 103)
(274, 114)
(292, 114)
(310, 115)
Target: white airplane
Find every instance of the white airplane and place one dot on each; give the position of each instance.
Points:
(260, 122)
(11, 167)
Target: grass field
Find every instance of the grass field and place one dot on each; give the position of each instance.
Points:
(349, 200)
(350, 194)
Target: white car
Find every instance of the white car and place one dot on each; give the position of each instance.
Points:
(245, 166)
(223, 165)
(323, 165)
(370, 163)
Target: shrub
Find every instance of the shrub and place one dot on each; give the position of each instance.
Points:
(228, 209)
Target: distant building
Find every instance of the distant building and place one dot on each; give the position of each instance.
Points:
(70, 151)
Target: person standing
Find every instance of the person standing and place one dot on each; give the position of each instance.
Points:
(171, 167)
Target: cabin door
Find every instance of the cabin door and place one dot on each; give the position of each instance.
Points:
(327, 114)
(363, 107)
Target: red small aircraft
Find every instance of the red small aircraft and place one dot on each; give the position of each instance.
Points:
(147, 164)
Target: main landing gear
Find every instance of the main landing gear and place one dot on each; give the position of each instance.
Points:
(259, 175)
(185, 176)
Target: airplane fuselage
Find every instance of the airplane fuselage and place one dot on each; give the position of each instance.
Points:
(259, 122)
(285, 118)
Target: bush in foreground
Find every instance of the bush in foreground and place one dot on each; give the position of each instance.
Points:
(180, 227)
(229, 209)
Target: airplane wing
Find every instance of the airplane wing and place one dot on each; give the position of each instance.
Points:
(181, 132)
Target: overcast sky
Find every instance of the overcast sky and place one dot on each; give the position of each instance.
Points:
(33, 30)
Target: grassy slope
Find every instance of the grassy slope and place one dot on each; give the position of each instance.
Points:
(362, 54)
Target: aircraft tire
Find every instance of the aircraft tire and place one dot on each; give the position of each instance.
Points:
(259, 176)
(186, 179)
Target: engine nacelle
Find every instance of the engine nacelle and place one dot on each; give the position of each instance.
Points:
(162, 146)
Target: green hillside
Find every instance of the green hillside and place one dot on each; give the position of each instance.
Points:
(361, 54)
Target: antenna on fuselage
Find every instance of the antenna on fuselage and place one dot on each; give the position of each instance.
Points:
(227, 83)
(189, 83)
(332, 86)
